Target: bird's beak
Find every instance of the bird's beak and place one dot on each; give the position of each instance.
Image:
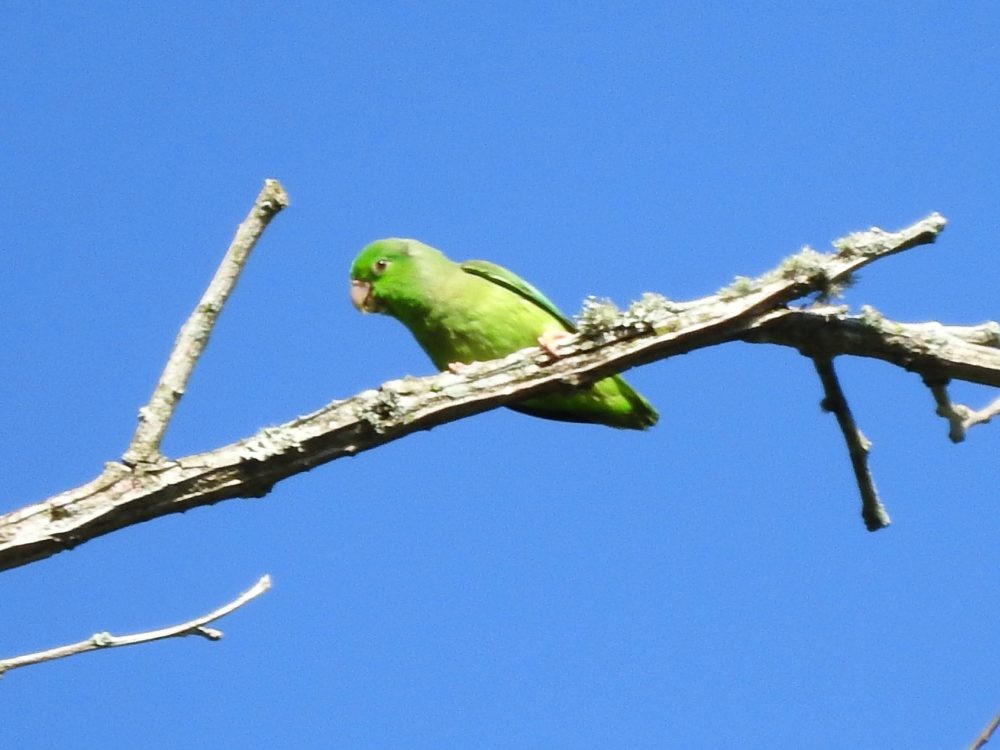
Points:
(361, 296)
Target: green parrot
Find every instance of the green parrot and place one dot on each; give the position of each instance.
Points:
(476, 311)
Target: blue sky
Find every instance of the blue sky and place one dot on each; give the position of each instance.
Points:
(502, 581)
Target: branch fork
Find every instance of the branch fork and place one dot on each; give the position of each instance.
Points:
(155, 416)
(145, 486)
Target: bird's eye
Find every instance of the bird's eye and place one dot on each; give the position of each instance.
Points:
(380, 265)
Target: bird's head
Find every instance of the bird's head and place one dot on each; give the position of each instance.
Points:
(387, 270)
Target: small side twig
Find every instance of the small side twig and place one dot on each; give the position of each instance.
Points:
(960, 417)
(984, 415)
(194, 334)
(986, 734)
(872, 511)
(106, 640)
(938, 352)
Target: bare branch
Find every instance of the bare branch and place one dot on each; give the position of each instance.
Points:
(984, 415)
(986, 734)
(960, 417)
(105, 640)
(194, 334)
(954, 413)
(970, 353)
(872, 510)
(608, 342)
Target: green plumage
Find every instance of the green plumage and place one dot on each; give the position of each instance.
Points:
(477, 311)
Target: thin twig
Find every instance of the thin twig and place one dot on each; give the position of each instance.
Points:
(194, 334)
(984, 415)
(955, 414)
(986, 734)
(960, 417)
(106, 640)
(872, 510)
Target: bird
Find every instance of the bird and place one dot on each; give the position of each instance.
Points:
(474, 311)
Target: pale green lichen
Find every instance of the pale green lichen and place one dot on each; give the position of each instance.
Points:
(846, 247)
(652, 311)
(380, 409)
(741, 286)
(871, 317)
(805, 264)
(861, 244)
(598, 316)
(833, 290)
(809, 266)
(651, 306)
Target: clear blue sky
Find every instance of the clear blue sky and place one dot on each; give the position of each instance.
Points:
(502, 582)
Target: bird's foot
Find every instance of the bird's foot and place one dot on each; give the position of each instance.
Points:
(457, 367)
(550, 339)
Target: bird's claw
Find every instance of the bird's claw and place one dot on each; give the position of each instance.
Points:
(550, 339)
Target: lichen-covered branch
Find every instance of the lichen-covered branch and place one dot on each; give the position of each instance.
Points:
(194, 334)
(609, 341)
(105, 640)
(938, 352)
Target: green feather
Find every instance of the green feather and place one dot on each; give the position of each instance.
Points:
(477, 311)
(502, 277)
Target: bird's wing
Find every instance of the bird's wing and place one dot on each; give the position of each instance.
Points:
(502, 277)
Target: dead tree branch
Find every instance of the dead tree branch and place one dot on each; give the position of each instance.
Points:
(609, 341)
(834, 401)
(969, 353)
(960, 417)
(194, 334)
(105, 640)
(986, 734)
